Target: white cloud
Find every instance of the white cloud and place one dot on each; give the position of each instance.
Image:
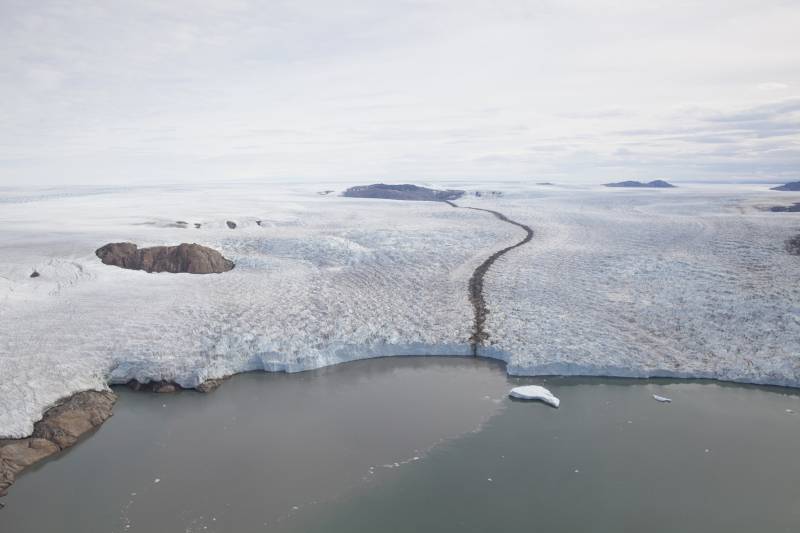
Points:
(772, 86)
(404, 89)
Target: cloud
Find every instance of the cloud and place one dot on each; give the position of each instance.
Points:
(213, 89)
(772, 86)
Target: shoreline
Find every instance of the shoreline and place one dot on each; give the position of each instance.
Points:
(80, 414)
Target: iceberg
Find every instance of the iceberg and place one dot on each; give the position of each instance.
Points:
(535, 392)
(662, 399)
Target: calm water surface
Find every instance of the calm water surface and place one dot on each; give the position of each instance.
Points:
(426, 444)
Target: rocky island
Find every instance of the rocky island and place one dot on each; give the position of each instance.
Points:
(184, 258)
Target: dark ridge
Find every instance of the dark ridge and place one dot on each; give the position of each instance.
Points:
(402, 192)
(655, 184)
(184, 258)
(791, 186)
(795, 208)
(479, 335)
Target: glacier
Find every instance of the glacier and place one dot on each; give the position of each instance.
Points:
(689, 282)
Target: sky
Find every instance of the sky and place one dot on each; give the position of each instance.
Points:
(577, 91)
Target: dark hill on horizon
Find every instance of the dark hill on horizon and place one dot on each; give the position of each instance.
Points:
(791, 186)
(655, 184)
(402, 192)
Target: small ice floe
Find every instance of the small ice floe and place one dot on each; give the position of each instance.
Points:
(535, 392)
(790, 411)
(662, 399)
(157, 480)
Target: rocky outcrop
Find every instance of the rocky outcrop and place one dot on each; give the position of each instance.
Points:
(154, 386)
(60, 427)
(170, 386)
(209, 385)
(791, 186)
(402, 192)
(231, 224)
(655, 184)
(188, 258)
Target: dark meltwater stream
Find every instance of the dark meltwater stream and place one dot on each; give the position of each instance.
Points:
(426, 444)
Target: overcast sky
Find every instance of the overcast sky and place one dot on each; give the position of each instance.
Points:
(568, 90)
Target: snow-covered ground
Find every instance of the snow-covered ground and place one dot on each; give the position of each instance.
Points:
(322, 280)
(688, 282)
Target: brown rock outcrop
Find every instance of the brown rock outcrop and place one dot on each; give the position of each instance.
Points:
(60, 427)
(209, 385)
(184, 258)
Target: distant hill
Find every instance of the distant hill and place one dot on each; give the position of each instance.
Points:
(791, 186)
(786, 208)
(655, 184)
(402, 192)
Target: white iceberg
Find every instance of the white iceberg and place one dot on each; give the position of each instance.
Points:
(535, 392)
(662, 399)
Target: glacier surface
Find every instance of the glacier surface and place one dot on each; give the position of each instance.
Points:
(688, 282)
(691, 282)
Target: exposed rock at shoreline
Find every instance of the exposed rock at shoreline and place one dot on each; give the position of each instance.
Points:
(655, 184)
(402, 192)
(154, 386)
(791, 186)
(165, 387)
(188, 258)
(209, 385)
(60, 427)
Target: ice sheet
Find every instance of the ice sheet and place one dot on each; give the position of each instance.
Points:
(691, 282)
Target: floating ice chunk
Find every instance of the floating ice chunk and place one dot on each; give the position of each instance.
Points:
(662, 399)
(535, 392)
(156, 480)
